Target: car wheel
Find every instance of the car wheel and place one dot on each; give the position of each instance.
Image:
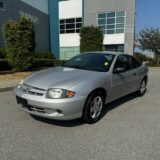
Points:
(142, 89)
(93, 108)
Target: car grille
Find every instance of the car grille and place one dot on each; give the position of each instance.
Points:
(32, 90)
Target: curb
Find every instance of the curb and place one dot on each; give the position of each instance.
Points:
(7, 89)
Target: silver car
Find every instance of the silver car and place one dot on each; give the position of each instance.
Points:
(82, 86)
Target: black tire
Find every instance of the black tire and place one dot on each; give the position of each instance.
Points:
(87, 114)
(142, 89)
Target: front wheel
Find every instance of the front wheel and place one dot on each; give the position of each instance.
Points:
(93, 108)
(143, 88)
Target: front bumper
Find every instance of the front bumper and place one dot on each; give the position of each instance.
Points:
(58, 109)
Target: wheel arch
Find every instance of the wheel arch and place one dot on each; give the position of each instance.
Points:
(145, 78)
(100, 89)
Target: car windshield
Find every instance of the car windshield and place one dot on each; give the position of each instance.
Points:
(100, 62)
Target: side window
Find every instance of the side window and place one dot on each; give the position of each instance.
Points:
(122, 62)
(136, 63)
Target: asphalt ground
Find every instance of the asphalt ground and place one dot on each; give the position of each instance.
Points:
(129, 130)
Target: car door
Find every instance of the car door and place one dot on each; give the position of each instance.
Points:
(122, 83)
(134, 84)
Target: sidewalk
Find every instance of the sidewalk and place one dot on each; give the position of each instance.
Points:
(8, 85)
(9, 81)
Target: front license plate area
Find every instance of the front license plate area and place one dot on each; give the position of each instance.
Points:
(22, 101)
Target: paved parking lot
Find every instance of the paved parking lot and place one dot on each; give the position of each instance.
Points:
(129, 130)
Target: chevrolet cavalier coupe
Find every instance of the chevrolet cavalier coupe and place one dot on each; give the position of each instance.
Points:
(82, 86)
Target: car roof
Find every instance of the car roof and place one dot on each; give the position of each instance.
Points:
(107, 52)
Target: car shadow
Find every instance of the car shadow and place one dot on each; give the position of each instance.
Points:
(113, 105)
(78, 122)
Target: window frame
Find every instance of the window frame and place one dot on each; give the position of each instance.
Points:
(75, 22)
(117, 30)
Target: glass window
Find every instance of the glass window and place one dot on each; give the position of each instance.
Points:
(79, 25)
(110, 31)
(134, 62)
(111, 14)
(68, 52)
(72, 25)
(119, 25)
(70, 31)
(78, 30)
(102, 15)
(102, 21)
(110, 26)
(62, 27)
(119, 30)
(114, 22)
(120, 14)
(123, 62)
(111, 21)
(62, 31)
(120, 20)
(62, 21)
(78, 19)
(115, 48)
(91, 61)
(102, 27)
(72, 20)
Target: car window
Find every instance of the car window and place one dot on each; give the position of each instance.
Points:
(123, 62)
(91, 61)
(136, 63)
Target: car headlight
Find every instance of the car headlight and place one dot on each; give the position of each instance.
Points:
(60, 93)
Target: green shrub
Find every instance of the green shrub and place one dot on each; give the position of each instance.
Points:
(2, 53)
(19, 40)
(58, 62)
(44, 55)
(40, 63)
(141, 57)
(153, 63)
(4, 65)
(91, 39)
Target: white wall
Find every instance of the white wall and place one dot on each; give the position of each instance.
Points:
(114, 39)
(69, 9)
(41, 5)
(70, 40)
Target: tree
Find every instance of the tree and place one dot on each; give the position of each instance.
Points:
(91, 39)
(149, 39)
(142, 57)
(19, 40)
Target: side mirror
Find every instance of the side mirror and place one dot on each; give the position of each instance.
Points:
(118, 70)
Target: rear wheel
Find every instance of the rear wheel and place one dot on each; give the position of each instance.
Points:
(93, 108)
(142, 89)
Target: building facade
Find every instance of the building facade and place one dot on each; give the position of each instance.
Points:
(58, 23)
(37, 12)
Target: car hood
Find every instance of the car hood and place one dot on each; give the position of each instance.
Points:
(59, 77)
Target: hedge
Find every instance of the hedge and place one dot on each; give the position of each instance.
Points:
(4, 65)
(37, 63)
(44, 55)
